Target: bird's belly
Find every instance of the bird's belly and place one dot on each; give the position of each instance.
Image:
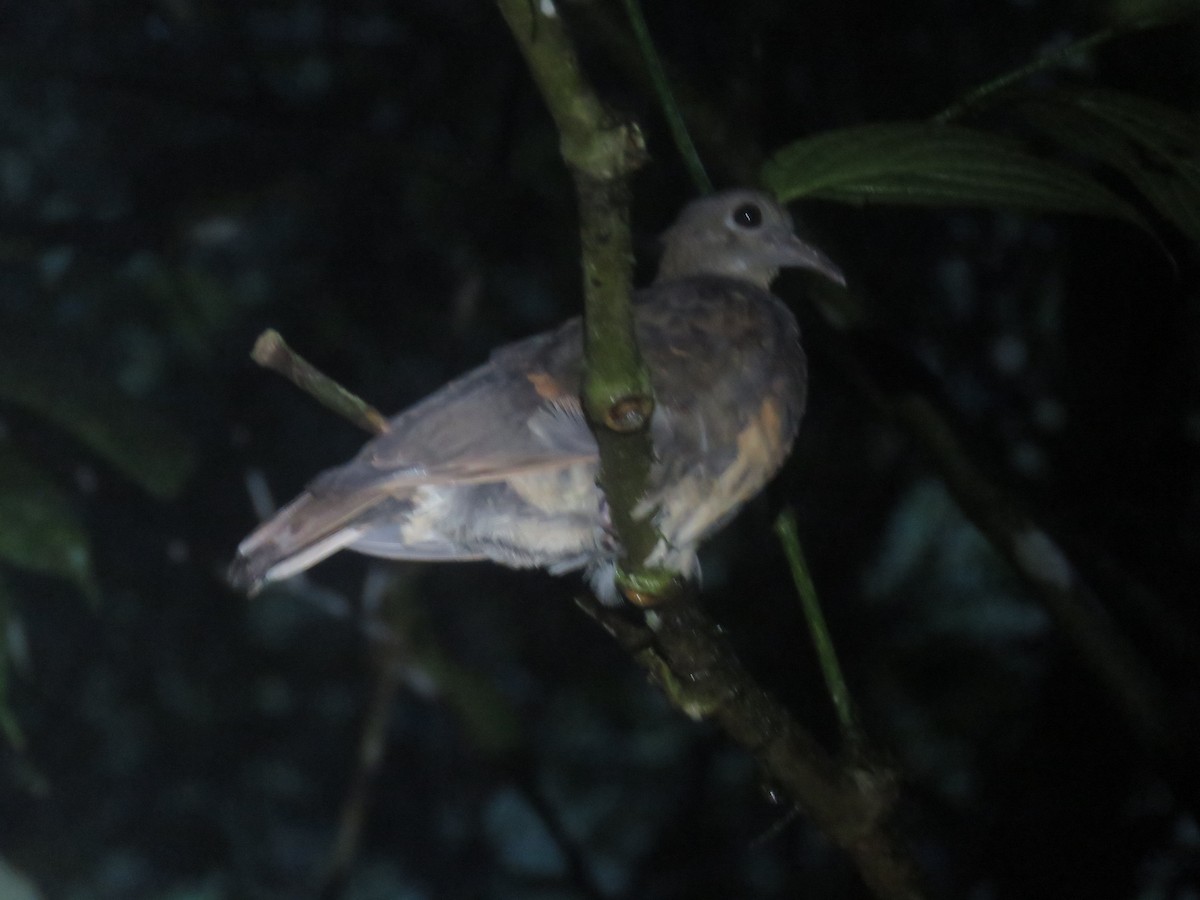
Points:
(550, 519)
(570, 490)
(704, 498)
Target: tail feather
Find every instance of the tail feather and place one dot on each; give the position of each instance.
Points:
(300, 535)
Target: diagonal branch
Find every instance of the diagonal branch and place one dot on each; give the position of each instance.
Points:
(850, 800)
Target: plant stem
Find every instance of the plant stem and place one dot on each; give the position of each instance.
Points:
(839, 694)
(666, 98)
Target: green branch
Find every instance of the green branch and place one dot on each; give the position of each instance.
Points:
(602, 151)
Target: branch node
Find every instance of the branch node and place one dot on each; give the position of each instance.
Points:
(629, 414)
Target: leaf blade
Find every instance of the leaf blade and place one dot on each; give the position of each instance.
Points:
(1154, 146)
(934, 164)
(39, 528)
(122, 430)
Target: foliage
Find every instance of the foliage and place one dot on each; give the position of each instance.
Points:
(919, 164)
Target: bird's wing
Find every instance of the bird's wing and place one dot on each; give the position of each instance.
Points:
(519, 412)
(516, 415)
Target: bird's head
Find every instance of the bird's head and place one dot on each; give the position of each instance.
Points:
(742, 234)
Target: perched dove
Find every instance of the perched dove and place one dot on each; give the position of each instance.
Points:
(500, 464)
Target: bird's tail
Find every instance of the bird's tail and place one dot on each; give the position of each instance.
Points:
(300, 535)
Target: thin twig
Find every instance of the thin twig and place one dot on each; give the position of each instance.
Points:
(839, 693)
(666, 99)
(272, 352)
(724, 141)
(978, 97)
(371, 747)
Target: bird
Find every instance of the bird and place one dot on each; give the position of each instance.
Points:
(500, 464)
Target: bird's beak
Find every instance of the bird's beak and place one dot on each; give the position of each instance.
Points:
(790, 252)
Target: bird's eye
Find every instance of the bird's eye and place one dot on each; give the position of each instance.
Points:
(747, 216)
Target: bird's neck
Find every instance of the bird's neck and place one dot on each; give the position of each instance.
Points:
(736, 270)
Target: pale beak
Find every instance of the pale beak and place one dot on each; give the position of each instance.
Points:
(789, 252)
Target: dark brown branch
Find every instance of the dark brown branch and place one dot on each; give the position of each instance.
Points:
(849, 800)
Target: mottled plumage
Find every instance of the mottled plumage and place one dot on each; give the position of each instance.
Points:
(500, 463)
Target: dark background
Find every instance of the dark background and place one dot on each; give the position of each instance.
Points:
(380, 182)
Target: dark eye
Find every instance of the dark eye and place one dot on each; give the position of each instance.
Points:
(747, 216)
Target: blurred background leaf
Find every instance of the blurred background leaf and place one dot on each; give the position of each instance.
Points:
(16, 886)
(1155, 147)
(54, 382)
(40, 529)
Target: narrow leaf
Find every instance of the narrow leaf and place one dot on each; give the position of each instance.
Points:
(54, 384)
(932, 164)
(39, 529)
(1153, 145)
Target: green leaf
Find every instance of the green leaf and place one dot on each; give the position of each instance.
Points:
(39, 529)
(1153, 145)
(57, 385)
(933, 164)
